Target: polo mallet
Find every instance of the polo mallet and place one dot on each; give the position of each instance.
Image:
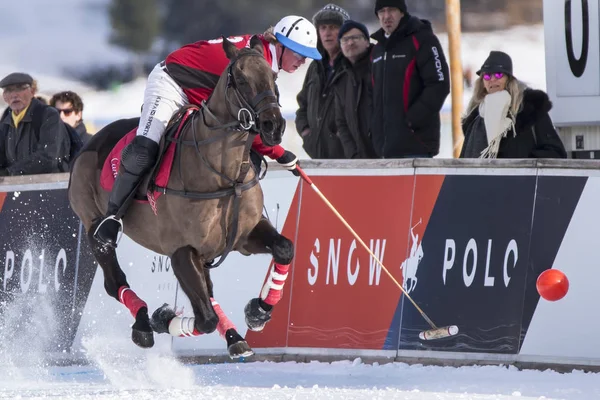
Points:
(434, 332)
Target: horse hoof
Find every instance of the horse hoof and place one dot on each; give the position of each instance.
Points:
(256, 317)
(236, 345)
(161, 318)
(143, 339)
(141, 331)
(239, 350)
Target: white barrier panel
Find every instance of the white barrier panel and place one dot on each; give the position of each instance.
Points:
(466, 240)
(572, 37)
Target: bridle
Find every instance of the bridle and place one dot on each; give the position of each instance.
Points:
(248, 112)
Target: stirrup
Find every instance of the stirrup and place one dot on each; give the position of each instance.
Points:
(119, 231)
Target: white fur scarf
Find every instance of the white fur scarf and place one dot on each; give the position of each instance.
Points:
(494, 109)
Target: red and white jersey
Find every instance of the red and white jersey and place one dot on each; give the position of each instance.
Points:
(197, 67)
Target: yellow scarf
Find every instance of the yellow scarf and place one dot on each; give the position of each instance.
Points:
(18, 117)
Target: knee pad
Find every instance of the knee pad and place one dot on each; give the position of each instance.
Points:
(139, 155)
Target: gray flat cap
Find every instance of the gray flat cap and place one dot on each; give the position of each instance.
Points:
(16, 78)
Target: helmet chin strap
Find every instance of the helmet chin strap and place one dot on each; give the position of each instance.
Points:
(280, 61)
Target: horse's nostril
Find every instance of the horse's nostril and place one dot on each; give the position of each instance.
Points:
(267, 126)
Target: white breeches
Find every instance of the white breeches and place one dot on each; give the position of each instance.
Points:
(162, 98)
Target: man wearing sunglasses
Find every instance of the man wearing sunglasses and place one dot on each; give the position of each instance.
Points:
(70, 107)
(353, 94)
(410, 84)
(33, 140)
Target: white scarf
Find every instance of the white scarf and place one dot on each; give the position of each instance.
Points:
(494, 109)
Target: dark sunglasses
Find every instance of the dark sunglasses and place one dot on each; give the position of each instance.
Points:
(497, 75)
(66, 111)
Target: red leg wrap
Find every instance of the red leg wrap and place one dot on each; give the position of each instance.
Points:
(271, 292)
(131, 300)
(224, 323)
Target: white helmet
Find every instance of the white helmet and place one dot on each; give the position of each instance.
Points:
(299, 35)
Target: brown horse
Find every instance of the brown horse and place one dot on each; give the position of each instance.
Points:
(213, 202)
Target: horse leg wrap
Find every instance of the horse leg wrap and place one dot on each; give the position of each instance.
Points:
(271, 292)
(131, 300)
(224, 323)
(183, 327)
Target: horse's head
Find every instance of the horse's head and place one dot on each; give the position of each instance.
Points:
(253, 92)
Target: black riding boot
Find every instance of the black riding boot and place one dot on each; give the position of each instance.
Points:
(138, 157)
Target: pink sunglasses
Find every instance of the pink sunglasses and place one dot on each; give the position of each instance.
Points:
(497, 75)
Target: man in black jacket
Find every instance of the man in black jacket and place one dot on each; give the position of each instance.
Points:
(315, 118)
(25, 147)
(411, 83)
(354, 92)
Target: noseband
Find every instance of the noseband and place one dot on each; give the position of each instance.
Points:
(248, 114)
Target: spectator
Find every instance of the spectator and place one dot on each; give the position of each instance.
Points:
(506, 119)
(43, 98)
(32, 138)
(315, 118)
(70, 107)
(411, 83)
(353, 93)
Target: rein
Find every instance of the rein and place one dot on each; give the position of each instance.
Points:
(247, 119)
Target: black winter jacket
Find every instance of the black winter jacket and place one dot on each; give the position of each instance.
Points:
(353, 107)
(535, 133)
(25, 152)
(316, 110)
(411, 82)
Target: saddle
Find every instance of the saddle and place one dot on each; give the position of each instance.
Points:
(159, 174)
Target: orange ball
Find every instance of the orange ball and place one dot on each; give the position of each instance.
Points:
(552, 285)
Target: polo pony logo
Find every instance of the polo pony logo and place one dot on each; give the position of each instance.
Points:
(410, 266)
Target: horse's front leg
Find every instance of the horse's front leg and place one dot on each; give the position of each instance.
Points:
(264, 238)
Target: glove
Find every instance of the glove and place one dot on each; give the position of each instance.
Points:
(289, 161)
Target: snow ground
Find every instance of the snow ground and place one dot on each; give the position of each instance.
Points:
(155, 377)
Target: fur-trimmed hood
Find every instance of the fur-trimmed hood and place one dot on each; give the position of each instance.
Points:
(536, 103)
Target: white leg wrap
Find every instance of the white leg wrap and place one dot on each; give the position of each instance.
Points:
(182, 326)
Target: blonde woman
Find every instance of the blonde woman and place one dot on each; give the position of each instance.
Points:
(506, 119)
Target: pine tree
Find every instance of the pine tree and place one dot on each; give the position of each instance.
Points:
(135, 24)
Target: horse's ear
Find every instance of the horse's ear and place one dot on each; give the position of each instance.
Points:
(230, 50)
(256, 44)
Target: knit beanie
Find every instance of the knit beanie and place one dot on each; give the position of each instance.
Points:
(400, 4)
(330, 14)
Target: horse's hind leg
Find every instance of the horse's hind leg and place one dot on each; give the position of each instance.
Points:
(189, 270)
(115, 284)
(264, 238)
(165, 320)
